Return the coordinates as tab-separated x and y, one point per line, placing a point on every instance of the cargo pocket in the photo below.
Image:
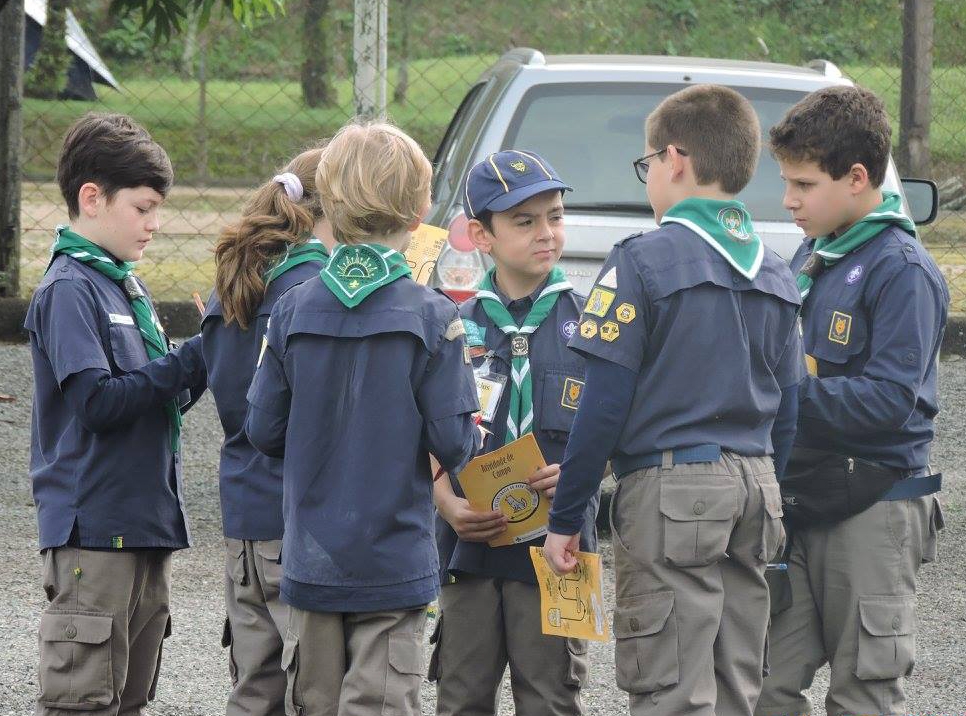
698	520
887	637
436	641
404	673
772	531
936	524
227	642
290	665
157	669
235	562
75	660
578	671
646	652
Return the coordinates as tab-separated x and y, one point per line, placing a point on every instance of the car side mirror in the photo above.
922	198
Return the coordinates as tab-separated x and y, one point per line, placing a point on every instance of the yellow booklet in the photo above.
424	249
571	605
498	481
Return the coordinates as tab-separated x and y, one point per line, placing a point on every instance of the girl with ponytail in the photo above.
275	245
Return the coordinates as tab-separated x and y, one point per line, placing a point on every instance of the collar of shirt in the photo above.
520	307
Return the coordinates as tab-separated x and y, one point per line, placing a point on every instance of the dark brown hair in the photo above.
836	127
717	127
270	223
114	152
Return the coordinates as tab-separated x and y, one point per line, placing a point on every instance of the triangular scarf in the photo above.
828	250
155	341
726	227
312	250
520	419
354	271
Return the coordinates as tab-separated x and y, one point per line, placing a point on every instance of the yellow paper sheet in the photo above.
498	481
572	605
424	249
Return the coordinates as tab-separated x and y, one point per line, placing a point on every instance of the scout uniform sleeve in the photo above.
791	366
613	325
269	396
66	329
447	396
906	326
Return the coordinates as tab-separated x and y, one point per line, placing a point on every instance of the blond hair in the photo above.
717	127
373	181
270	223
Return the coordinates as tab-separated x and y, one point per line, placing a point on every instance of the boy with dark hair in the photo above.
692	351
874	310
517	329
105	444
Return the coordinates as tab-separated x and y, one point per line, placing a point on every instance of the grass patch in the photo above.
249	128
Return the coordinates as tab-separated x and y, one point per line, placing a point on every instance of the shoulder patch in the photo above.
454	330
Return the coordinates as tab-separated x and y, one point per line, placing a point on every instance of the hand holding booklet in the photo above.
499	480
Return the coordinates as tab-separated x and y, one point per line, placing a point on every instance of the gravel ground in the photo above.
194	678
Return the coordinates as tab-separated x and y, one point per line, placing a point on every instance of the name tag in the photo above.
121	319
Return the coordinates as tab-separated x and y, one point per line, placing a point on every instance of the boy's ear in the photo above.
677	162
858	178
479	236
419	220
88	199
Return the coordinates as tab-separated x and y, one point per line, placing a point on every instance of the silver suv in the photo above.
585	114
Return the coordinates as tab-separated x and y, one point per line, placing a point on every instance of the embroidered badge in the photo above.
609	279
609	332
571	393
626	313
454	330
475	334
854	275
117	542
599	301
519	166
733	222
588	329
567	329
357	267
841	327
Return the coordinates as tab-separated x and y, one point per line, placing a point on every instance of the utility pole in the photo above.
11	132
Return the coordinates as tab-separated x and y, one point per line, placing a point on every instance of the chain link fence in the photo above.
231	105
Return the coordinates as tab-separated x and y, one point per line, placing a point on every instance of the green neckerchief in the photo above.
832	249
726	226
356	270
155	341
520	418
312	250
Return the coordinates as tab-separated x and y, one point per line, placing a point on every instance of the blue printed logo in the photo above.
854	275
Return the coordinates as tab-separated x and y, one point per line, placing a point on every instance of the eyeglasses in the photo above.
641	165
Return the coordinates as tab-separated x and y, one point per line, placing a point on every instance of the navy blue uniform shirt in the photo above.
712	349
115	484
250	483
355	399
874	323
558	379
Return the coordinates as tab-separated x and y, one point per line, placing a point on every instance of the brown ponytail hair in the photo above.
270	222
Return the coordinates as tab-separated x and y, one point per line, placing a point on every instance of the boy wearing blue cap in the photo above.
692	346
517	329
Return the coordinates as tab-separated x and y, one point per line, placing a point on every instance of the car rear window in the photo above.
591	132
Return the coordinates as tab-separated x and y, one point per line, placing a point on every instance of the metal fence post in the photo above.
11	129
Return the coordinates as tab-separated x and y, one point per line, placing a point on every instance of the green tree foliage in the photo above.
169	16
47	75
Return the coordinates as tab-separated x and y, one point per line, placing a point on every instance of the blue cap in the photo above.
508	178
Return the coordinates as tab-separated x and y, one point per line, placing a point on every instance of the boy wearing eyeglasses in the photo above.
693	358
